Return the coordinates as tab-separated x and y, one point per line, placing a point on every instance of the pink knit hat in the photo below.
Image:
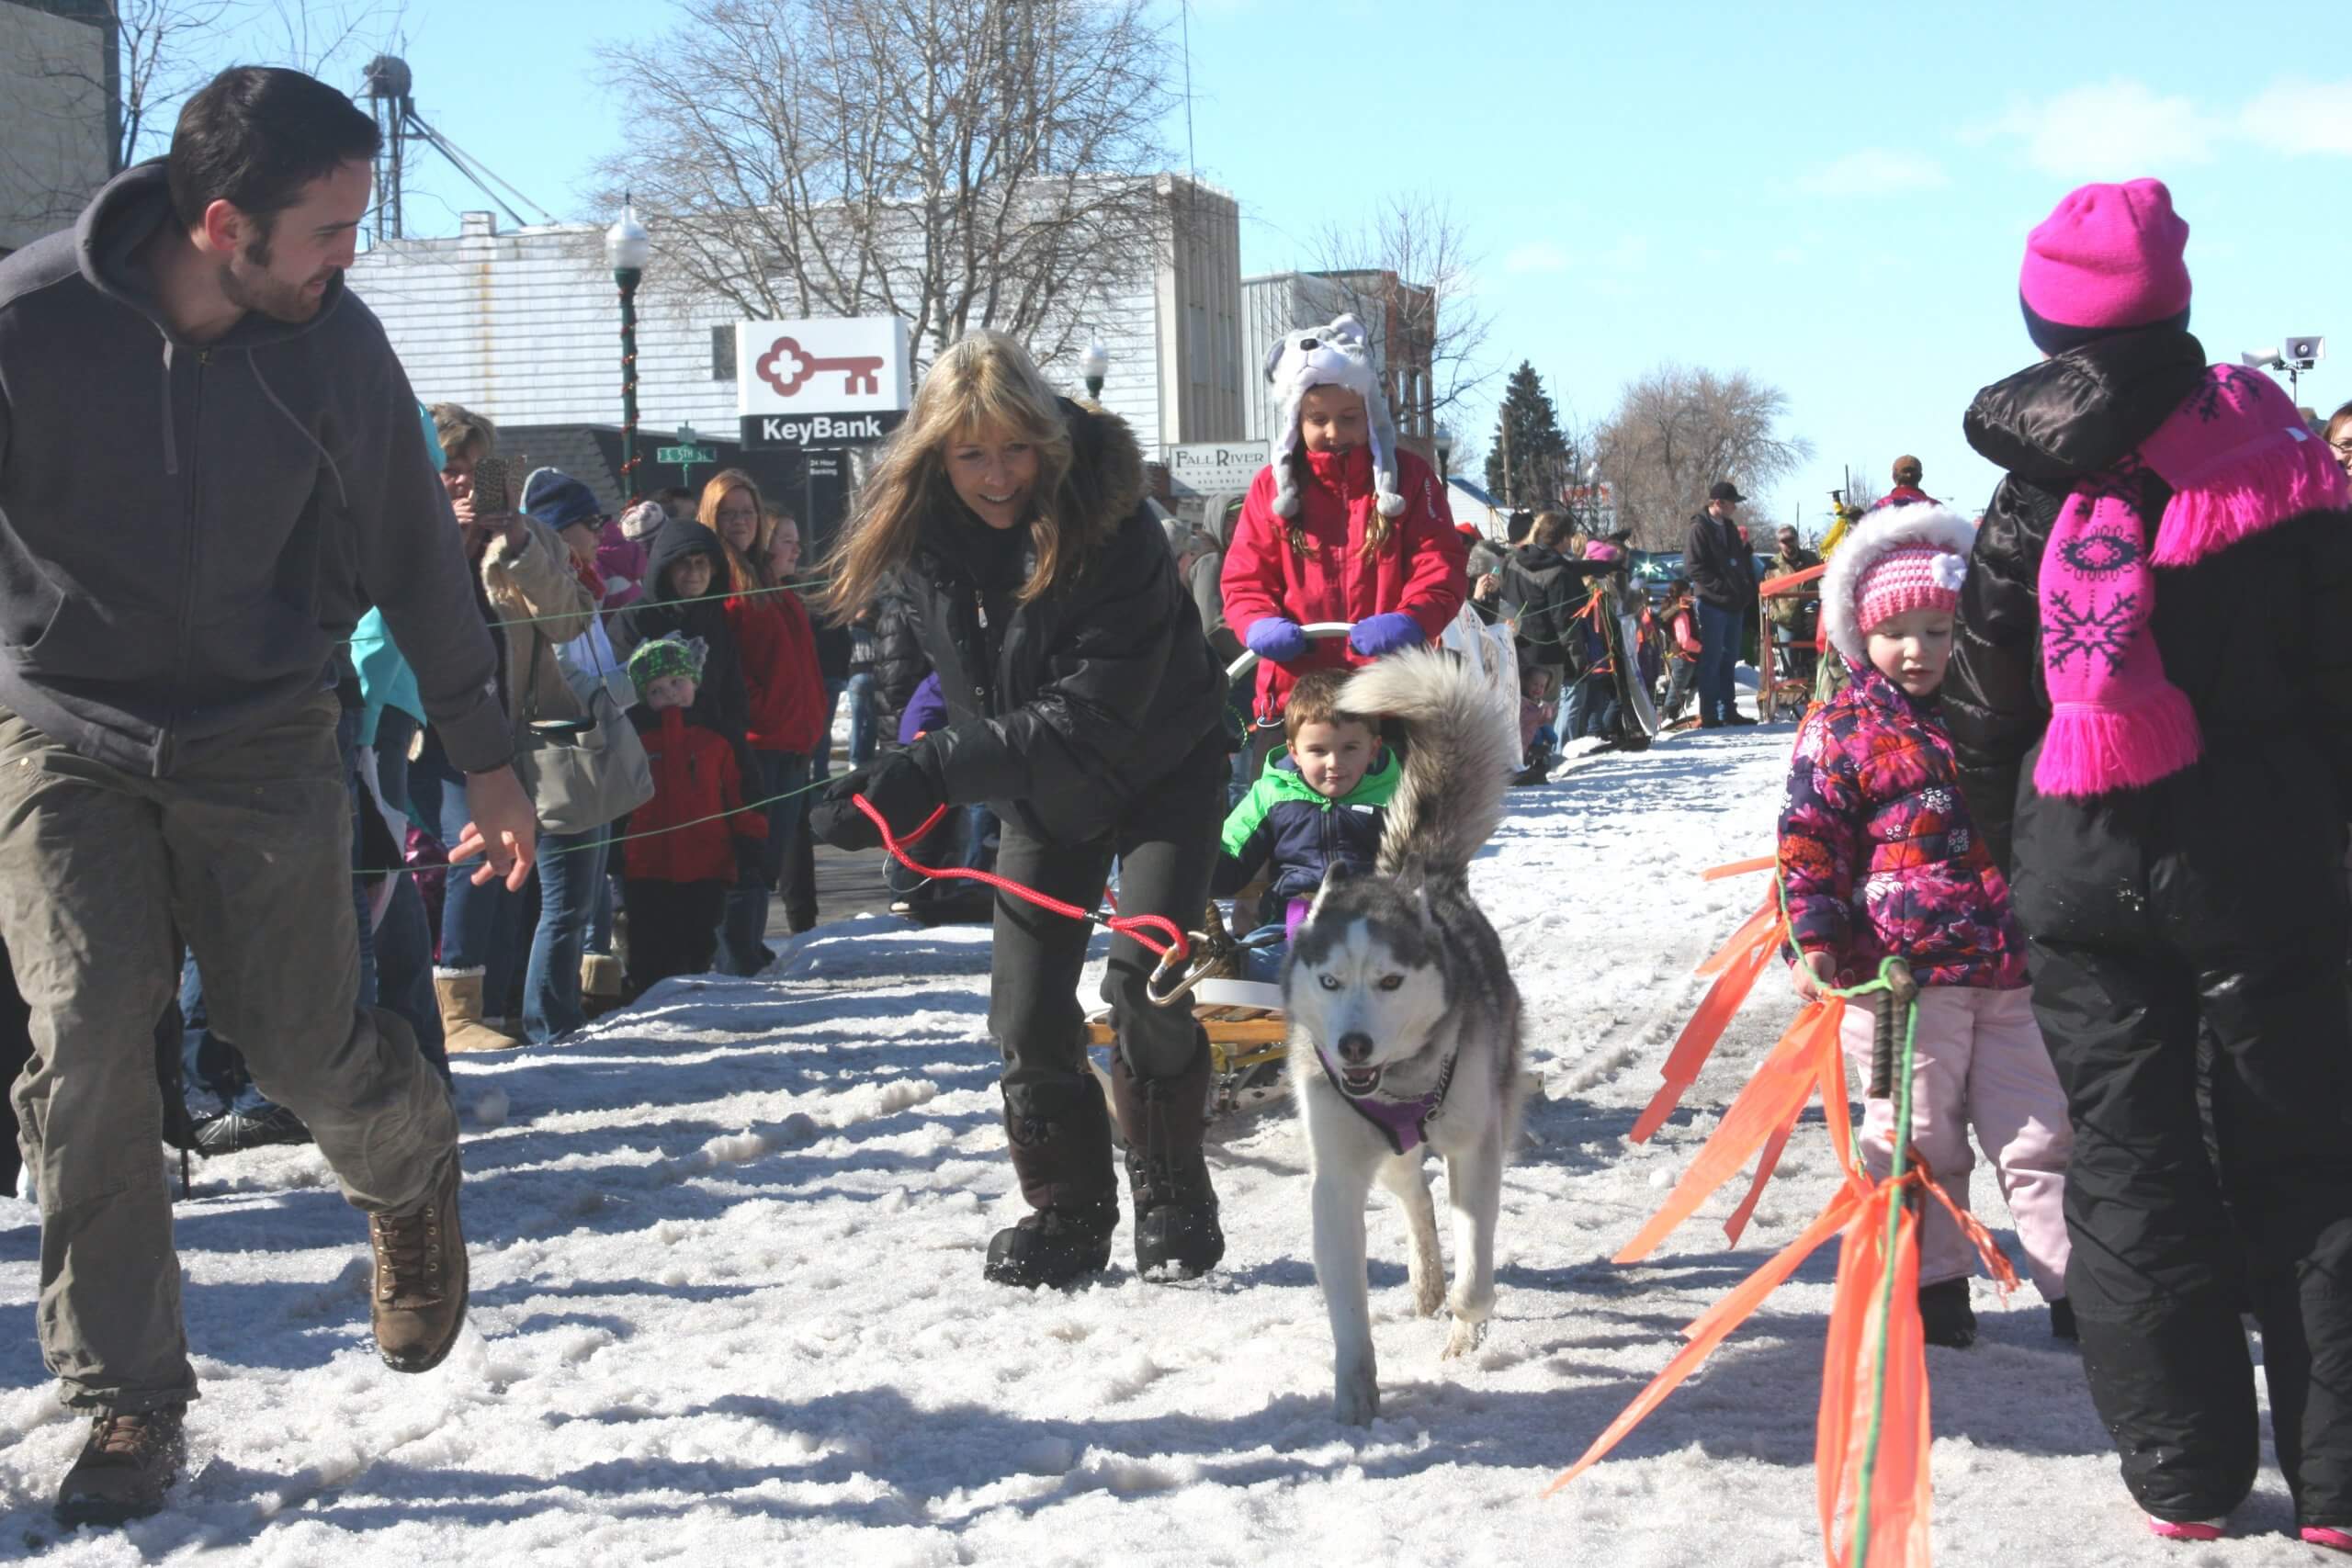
1601	550
2107	259
1906	579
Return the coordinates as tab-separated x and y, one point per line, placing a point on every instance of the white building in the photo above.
524	326
57	117
1276	304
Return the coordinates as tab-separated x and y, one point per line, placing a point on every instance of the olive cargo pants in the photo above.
243	852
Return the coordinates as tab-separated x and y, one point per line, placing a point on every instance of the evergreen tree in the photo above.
1527	427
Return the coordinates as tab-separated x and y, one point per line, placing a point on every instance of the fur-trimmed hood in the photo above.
1877	535
1107	480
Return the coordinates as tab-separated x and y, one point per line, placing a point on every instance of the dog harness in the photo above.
1405	1122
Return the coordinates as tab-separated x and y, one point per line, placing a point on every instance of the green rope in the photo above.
723	594
1901	1089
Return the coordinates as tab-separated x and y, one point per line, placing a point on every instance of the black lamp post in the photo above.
1093	365
627	247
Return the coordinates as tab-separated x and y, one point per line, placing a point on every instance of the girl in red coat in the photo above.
695	837
1340	527
786	718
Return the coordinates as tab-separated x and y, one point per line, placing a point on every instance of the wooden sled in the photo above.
1244	1022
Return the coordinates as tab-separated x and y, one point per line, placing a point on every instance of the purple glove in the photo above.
1377	635
1277	639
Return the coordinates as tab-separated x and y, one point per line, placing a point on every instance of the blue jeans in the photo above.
478	924
572	878
1718	651
862	699
1262	952
745	921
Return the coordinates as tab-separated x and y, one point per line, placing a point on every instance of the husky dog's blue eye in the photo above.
1330	982
1390	982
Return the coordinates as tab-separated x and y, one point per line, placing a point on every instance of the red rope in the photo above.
1126	925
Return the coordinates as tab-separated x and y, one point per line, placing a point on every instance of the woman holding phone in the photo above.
532	601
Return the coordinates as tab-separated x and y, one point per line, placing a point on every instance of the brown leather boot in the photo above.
418	1300
128	1463
460	994
1163	1122
1064	1162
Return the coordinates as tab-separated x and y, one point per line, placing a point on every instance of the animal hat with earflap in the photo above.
1337	355
1895	559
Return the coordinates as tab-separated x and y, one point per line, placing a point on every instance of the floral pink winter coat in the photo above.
1877	854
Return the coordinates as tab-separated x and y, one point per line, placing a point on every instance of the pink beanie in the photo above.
1601	550
2109	258
1905	579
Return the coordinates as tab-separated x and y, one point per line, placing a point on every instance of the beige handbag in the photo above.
582	773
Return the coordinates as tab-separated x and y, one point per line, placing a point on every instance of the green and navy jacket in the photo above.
1283	821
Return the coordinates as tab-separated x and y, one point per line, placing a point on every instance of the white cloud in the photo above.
2295	116
1536	256
2109	130
1874	170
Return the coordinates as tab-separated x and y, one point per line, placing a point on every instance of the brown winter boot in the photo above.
1163	1122
1064	1162
418	1298
128	1463
599	984
462	1029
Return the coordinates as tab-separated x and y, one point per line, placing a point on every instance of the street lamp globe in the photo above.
1095	365
627	247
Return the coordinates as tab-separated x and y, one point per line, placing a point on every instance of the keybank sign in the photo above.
843	382
819	429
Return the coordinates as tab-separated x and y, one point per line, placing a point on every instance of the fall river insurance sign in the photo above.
832	383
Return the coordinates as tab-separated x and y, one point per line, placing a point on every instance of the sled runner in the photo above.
1637	722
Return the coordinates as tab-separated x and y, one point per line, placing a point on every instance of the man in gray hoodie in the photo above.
205	444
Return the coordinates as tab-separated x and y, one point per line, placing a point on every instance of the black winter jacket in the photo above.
1547	591
721	701
2259	636
1065	708
900	661
1717	561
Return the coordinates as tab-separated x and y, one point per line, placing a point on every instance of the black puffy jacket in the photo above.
1065	708
900	661
2259	636
1545	591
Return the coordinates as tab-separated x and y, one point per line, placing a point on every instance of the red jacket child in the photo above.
1297	554
695	827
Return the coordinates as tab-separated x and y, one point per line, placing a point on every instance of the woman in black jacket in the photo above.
1086	710
2204	894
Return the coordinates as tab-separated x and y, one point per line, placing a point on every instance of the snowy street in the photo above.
727	1303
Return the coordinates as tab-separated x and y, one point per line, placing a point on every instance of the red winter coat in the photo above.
1423	571
686	837
779	654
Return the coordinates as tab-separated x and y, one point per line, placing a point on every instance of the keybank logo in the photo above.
817	430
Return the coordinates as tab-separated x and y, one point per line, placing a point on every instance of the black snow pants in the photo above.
1167	846
2211	904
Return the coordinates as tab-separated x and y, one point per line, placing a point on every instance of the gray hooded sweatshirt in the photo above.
181	524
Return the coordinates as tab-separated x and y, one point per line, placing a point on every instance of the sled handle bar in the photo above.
1321	631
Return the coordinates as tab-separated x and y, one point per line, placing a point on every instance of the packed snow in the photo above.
727	1303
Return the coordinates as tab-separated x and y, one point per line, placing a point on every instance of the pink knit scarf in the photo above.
2238	459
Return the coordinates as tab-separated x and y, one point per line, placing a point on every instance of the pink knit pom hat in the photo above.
2109	259
1903	581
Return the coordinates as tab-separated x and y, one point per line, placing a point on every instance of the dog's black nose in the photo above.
1355	1047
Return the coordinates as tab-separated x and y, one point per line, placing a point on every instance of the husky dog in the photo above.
1403	1022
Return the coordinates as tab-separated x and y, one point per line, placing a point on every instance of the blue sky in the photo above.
1831	196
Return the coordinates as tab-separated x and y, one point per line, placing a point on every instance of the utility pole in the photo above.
1507	499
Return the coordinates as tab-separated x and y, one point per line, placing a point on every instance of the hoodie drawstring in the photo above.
342	493
171	436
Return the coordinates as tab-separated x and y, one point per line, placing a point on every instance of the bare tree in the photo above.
1677	430
1861	489
961	163
1407	274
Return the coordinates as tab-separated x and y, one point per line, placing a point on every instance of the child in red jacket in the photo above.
1340	527
695	838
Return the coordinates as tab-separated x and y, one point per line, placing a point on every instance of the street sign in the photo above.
1214	467
682	456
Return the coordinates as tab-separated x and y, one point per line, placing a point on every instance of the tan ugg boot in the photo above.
600	983
462	1030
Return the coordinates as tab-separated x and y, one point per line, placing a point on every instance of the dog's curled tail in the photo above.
1462	744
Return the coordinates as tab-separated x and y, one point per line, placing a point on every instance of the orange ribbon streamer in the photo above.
1899	1492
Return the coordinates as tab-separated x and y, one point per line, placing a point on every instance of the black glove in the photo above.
903	787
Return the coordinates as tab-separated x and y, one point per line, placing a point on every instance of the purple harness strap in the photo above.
1404	1122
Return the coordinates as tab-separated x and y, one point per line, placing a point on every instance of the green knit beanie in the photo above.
665	656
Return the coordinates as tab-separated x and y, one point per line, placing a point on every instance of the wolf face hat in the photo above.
1337	355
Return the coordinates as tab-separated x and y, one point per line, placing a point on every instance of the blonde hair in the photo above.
984	384
744	572
461	428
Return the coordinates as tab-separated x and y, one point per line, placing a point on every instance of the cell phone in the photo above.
490	488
